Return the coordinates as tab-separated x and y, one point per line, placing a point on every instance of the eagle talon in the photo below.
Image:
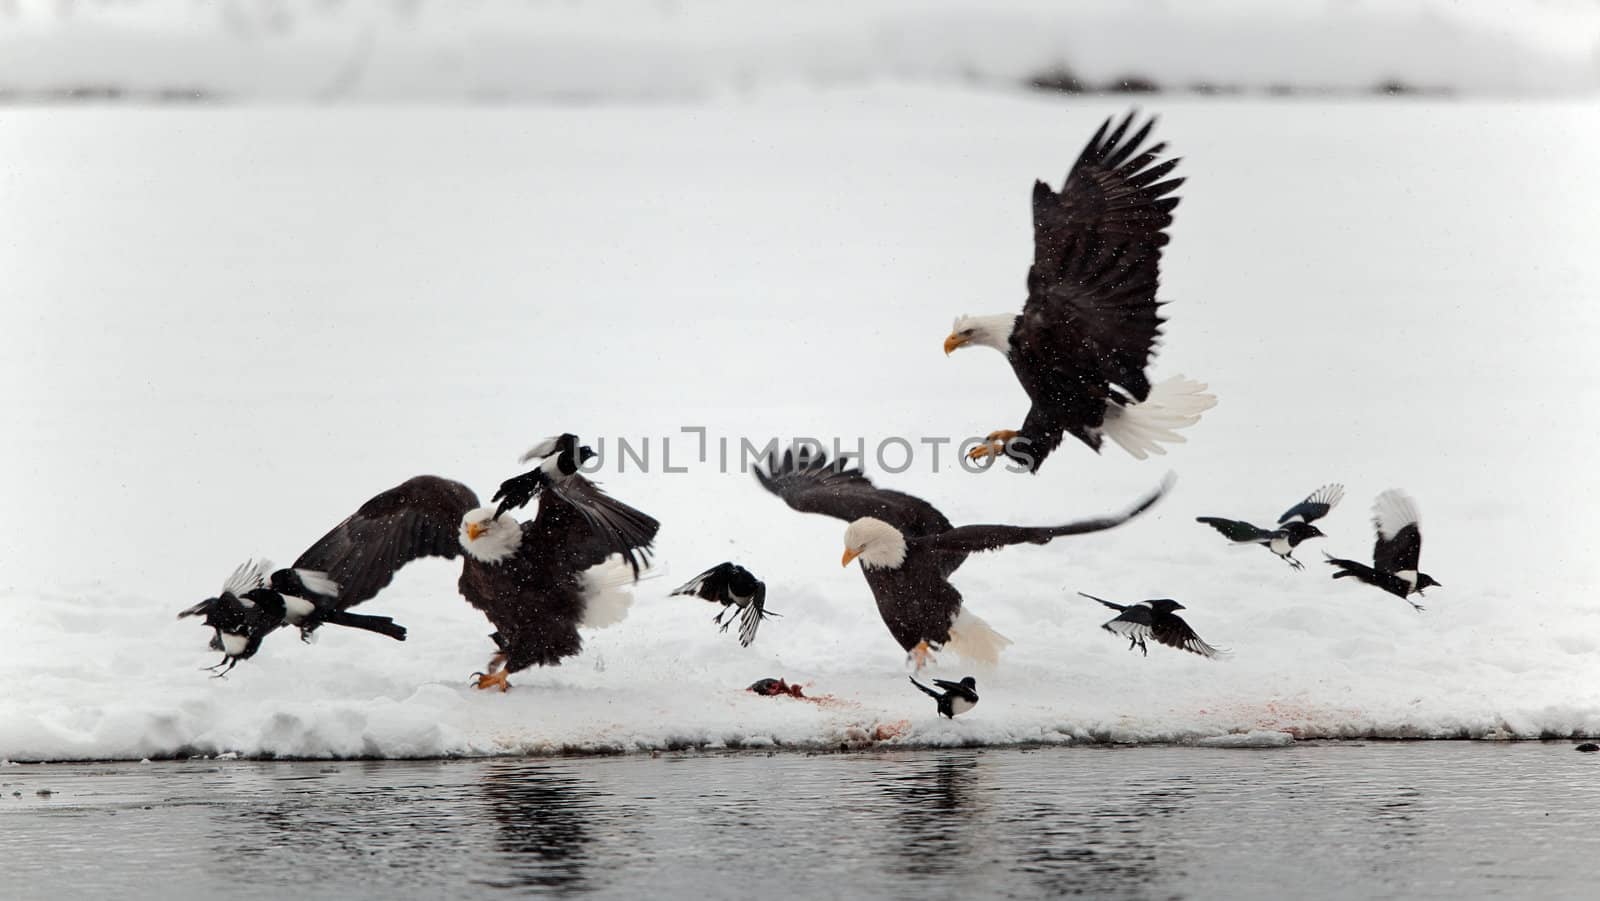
486	681
920	656
994	444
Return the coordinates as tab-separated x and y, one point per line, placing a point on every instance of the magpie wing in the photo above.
1173	632
1315	506
1399	544
709	585
1235	530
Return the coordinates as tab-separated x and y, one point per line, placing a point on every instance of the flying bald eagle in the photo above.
908	550
537	582
1091	321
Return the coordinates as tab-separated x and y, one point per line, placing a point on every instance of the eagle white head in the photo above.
988	331
877	543
488	538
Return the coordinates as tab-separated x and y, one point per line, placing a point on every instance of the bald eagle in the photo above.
537	582
1091	321
908	550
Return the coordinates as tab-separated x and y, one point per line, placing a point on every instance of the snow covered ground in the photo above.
600	50
224	330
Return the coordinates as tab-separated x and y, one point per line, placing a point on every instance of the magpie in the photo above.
559	458
956	698
243	614
1155	619
1396	552
1294	526
738	591
256	600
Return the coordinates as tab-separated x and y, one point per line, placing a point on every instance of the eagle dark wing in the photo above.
1172	631
970	539
807	481
1399	544
1091	320
1315	506
580	525
420	517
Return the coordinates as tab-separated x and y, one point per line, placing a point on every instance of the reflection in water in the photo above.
539	819
308	827
1117	847
934	813
1442	820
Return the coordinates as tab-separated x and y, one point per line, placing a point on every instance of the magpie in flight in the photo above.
1396	553
956	698
1155	619
739	592
1294	526
559	458
256	600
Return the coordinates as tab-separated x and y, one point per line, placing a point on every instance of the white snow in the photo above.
224	330
598	51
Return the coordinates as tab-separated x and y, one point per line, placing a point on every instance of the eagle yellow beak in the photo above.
848	556
951	343
474	530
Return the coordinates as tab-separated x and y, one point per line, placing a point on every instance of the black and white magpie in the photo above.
240	616
956	697
1395	554
559	456
255	600
1155	619
739	592
1294	526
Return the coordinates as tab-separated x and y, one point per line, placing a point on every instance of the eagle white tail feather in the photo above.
975	640
1171	405
607	593
318	582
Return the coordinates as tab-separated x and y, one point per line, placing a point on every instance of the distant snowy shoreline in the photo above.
1253	740
632	51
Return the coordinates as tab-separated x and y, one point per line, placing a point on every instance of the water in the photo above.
1329	820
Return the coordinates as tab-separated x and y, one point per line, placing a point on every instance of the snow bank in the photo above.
226	329
632	49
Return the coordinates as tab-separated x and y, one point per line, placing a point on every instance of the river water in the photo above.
1440	819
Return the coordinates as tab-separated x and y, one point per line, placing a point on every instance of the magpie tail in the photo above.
925	689
1350	568
1113	605
382	625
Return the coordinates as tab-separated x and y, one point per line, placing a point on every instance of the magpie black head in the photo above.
585	454
969	682
1165	605
1300	531
1426	581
